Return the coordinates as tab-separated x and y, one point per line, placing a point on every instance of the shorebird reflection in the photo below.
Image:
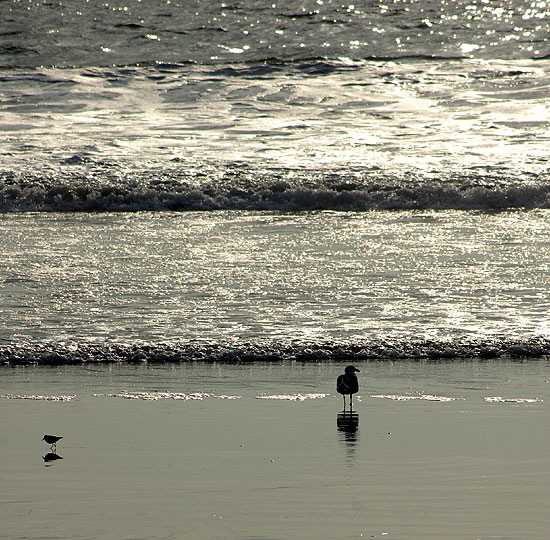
51	456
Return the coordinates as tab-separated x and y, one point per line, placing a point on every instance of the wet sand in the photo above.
450	450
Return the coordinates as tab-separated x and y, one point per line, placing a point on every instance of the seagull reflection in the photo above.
348	424
347	421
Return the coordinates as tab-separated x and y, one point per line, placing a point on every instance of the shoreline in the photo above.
56	354
145	452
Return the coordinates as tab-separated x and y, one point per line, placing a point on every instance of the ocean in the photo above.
209	209
260	179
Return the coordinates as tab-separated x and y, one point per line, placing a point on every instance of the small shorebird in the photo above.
51	439
347	384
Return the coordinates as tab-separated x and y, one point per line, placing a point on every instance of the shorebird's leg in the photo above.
350	402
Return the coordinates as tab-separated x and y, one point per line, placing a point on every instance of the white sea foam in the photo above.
499	399
291	397
288	137
38	397
410	397
154	396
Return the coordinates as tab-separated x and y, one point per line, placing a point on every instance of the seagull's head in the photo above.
350	370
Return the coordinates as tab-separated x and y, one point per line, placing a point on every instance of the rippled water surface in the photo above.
76	32
248	276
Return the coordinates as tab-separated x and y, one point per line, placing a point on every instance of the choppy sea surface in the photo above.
252	180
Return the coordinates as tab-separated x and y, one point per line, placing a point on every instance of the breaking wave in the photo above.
381	350
270	191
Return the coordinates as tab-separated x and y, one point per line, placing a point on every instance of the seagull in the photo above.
51	439
347	384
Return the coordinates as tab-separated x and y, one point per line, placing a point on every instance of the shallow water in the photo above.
234	277
277	468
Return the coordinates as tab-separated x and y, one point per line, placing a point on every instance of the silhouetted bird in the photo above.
347	384
51	439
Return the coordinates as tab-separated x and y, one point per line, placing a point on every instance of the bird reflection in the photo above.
347	421
51	456
348	424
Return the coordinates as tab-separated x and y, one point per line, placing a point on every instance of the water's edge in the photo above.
54	354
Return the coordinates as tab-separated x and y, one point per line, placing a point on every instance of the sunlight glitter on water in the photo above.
415	117
223	276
